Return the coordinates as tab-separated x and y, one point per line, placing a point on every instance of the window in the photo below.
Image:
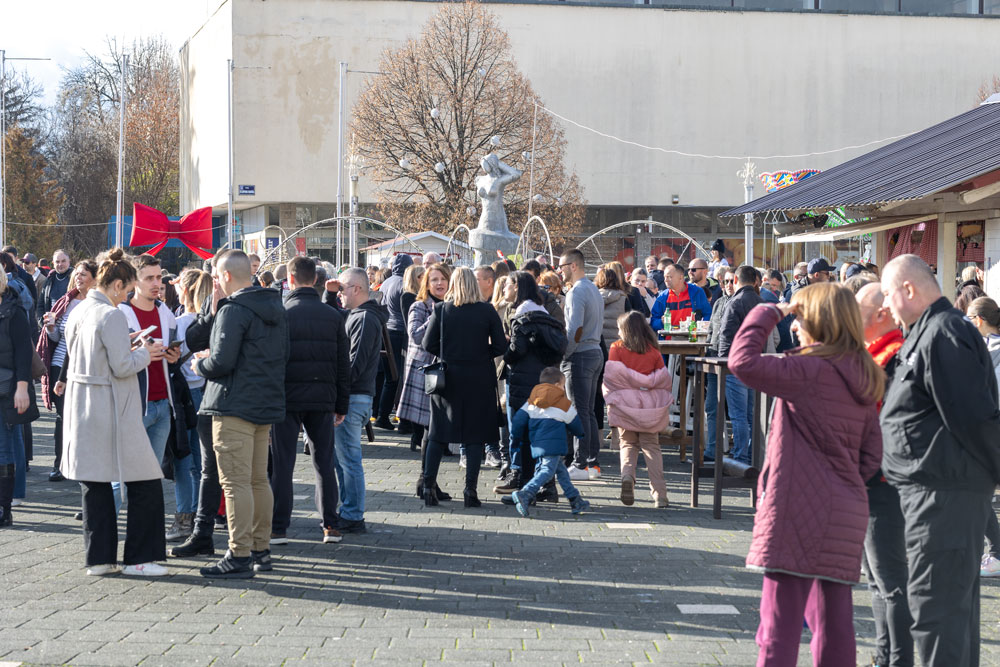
939	6
859	5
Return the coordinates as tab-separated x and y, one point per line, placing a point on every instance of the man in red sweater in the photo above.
885	546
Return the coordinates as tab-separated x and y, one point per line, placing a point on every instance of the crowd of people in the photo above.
881	454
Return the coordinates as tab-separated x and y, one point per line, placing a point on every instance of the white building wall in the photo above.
711	82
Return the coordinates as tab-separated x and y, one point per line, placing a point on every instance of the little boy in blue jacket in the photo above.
543	421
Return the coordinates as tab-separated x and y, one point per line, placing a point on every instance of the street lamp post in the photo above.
3	141
748	173
230	239
120	194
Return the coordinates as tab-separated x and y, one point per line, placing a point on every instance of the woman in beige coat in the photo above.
103	437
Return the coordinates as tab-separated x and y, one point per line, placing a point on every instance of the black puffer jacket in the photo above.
537	340
738	307
249	349
318	372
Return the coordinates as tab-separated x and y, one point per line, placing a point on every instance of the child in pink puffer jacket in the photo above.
637	393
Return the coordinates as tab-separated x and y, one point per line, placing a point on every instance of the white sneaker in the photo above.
578	474
593	472
145	570
102	570
17	502
989	567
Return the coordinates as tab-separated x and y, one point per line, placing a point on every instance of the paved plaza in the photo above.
617	585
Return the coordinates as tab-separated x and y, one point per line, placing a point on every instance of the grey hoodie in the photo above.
392	291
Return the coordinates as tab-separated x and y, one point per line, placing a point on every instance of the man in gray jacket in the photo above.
583	360
245	395
711	379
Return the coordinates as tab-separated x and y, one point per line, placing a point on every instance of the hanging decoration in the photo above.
776	180
153	227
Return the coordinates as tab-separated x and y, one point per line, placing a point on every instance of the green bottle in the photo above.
693	331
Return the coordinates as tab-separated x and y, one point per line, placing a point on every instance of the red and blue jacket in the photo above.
691	300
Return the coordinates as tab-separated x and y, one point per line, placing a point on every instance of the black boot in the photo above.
195	545
420	486
548	493
441	495
6	495
472	498
430	498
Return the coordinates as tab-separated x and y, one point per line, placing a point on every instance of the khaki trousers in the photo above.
241	452
649	443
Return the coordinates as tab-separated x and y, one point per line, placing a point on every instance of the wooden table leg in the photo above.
720	445
698	444
682	406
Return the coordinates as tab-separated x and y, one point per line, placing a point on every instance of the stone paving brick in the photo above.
423	586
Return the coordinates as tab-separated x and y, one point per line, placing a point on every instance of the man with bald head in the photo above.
885	541
244	395
941	429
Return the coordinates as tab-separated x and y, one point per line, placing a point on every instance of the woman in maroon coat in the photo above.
823	444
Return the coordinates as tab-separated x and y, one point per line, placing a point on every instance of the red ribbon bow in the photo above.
152	227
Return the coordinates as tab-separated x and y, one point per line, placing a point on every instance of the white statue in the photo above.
492	233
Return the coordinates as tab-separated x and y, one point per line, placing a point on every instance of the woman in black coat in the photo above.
466	334
537	340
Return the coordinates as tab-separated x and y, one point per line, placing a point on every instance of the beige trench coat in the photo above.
103	436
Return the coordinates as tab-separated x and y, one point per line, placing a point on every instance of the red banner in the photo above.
152	227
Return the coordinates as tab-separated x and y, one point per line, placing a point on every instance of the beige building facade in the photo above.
726	83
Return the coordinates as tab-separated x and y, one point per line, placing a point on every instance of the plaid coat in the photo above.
414	404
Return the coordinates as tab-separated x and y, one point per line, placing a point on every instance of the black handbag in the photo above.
434	373
10	414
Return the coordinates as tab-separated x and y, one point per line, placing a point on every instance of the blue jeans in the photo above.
156	421
739	401
547	468
347	458
582	371
187	471
12	451
711	408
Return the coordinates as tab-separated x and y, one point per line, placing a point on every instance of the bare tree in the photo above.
425	122
85	138
988	89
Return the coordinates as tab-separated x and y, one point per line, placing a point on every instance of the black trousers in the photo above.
944	544
993	534
387	399
57	401
473	459
885	568
209	491
145	540
284	438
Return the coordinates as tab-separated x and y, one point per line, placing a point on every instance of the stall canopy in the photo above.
951	169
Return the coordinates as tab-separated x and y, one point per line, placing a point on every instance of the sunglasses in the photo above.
727	282
697	268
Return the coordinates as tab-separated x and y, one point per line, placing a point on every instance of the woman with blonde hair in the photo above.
414	403
824	443
466	334
411	286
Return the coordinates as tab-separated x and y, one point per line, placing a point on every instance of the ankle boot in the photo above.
472	498
430	498
6	495
420	486
441	495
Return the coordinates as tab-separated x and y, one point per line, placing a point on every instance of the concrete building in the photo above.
719	81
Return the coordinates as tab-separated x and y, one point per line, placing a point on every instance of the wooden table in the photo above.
761	411
678	344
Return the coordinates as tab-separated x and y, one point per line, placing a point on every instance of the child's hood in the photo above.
549	401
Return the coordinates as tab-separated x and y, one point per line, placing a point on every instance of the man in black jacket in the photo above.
364	329
940	429
392	293
317	378
56	284
198	336
739	397
245	394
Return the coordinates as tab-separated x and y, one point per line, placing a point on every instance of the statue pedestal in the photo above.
486	242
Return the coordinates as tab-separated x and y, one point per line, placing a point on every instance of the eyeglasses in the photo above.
562	266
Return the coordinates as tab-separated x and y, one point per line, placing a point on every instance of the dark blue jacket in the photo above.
545	425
